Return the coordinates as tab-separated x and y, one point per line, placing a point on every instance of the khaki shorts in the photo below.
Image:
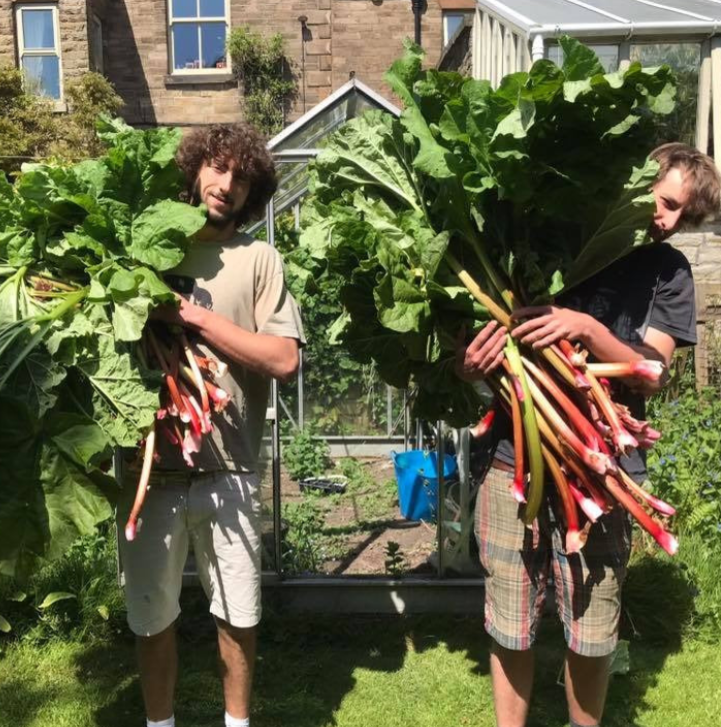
219	515
519	559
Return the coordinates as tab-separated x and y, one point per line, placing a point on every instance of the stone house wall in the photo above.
342	37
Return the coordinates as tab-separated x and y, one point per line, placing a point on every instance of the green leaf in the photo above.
401	306
160	233
5	626
52	501
104	612
52	598
579	61
623	228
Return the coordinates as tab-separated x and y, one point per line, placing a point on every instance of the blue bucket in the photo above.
417	477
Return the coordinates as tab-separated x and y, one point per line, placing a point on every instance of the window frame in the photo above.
40	53
445	15
198	19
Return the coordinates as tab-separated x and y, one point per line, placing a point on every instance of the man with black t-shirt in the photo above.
641	307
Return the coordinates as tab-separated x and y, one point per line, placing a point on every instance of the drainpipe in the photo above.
305	35
418	8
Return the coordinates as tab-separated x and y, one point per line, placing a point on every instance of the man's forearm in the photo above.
606	347
268	355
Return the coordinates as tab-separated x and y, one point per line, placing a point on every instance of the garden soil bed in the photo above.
359	524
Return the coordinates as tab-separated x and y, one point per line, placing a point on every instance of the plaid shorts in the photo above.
518	560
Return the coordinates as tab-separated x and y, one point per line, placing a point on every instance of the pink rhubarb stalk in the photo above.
659	505
575	539
217	369
170	377
589	506
193	408
141	492
645	369
485	424
205	403
574	355
519	478
667	541
623	440
218	396
582	425
597	461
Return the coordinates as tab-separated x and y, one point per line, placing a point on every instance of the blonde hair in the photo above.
702	178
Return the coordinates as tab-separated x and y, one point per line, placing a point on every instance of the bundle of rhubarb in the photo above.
191	390
82	250
475	202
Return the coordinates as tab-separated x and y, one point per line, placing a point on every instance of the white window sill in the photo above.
185	79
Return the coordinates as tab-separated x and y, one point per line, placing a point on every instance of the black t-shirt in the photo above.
651	287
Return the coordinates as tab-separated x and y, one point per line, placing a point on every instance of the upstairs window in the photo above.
198	35
39	48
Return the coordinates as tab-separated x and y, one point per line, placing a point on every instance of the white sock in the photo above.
170	722
235	722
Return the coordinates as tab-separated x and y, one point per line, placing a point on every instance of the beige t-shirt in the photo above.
242	280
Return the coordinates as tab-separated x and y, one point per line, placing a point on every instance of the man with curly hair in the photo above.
234	303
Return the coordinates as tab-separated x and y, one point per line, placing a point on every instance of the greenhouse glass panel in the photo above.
607	54
685	59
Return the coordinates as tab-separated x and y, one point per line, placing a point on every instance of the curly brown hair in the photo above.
240	143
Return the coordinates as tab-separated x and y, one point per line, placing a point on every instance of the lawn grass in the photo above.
344	671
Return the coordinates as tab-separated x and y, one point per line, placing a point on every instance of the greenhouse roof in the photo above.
296	144
625	18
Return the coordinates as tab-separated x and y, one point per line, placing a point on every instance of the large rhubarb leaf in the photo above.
51	494
82	249
532	186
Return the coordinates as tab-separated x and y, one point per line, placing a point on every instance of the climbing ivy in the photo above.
263	70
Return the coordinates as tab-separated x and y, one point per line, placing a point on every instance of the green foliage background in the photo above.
31	130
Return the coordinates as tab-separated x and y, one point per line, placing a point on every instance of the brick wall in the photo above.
368	36
364	36
703	250
8	48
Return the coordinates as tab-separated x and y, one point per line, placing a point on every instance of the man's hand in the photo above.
549	324
483	355
187	314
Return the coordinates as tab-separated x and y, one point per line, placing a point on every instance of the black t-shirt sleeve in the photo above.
674	305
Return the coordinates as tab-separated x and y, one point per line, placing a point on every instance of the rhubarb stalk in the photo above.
667	541
141	492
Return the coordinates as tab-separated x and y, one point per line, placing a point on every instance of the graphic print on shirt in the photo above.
188	287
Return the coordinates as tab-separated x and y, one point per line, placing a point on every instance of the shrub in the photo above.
30	129
262	68
306	455
75	597
684	469
302	551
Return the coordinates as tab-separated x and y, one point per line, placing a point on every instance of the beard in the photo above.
218	220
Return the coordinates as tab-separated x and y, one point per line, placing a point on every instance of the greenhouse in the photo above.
362	422
509	36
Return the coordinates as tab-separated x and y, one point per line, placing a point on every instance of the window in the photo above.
451	24
198	33
39	48
607	54
685	59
